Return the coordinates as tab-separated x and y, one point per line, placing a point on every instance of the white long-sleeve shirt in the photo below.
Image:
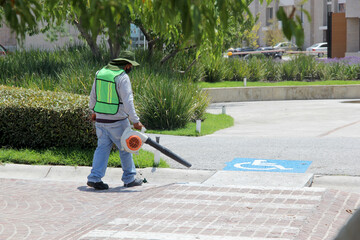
127	108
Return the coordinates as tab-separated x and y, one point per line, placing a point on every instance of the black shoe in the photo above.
136	182
98	185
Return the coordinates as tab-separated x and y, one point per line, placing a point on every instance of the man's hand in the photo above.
138	125
93	117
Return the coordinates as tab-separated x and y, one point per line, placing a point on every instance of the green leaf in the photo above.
286	23
307	14
196	15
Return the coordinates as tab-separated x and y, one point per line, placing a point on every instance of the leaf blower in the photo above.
132	141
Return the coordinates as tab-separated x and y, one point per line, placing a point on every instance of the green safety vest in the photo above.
107	98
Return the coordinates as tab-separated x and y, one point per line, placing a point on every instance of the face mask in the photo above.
128	70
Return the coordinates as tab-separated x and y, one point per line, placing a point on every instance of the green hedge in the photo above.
42	119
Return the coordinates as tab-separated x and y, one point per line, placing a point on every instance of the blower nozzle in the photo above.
132	141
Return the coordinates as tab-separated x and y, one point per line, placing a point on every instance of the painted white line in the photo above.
233	219
99	234
165	236
250	195
236	204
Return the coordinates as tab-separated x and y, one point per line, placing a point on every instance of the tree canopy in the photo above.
182	23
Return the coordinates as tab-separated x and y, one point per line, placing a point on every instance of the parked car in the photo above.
237	50
245	49
275	55
3	50
287	46
318	48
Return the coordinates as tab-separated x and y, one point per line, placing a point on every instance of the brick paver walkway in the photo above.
38	209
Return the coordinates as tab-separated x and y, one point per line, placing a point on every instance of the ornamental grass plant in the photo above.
298	68
167	103
70	69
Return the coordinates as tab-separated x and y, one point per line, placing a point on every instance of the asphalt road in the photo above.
326	132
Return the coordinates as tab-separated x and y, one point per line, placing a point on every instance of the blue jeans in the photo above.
107	134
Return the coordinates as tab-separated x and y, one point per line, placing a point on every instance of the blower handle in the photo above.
167	152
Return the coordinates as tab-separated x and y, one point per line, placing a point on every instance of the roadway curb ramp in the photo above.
260	179
239	94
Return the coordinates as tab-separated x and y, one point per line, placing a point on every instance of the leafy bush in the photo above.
239	69
351	72
215	69
42	119
169	103
255	55
288	71
256	70
324	71
306	67
272	70
336	71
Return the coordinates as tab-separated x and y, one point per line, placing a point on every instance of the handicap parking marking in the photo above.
267	165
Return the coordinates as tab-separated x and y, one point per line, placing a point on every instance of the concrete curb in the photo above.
161	176
239	94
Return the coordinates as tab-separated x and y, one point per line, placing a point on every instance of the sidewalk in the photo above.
175	204
53	202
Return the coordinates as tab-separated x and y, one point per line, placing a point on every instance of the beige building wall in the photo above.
319	21
315	31
40	41
352	9
352	16
7	38
260	9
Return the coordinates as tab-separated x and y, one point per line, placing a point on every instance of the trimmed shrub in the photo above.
43	119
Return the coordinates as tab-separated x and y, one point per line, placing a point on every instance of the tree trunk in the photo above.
90	41
114	48
173	53
151	41
192	64
118	39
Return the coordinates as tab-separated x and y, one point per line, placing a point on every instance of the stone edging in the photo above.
239	94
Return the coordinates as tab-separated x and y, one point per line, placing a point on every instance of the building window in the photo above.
342	7
269	16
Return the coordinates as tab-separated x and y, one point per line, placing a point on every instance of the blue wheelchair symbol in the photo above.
267	165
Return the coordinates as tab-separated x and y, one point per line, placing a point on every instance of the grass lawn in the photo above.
71	157
211	124
83	157
265	84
